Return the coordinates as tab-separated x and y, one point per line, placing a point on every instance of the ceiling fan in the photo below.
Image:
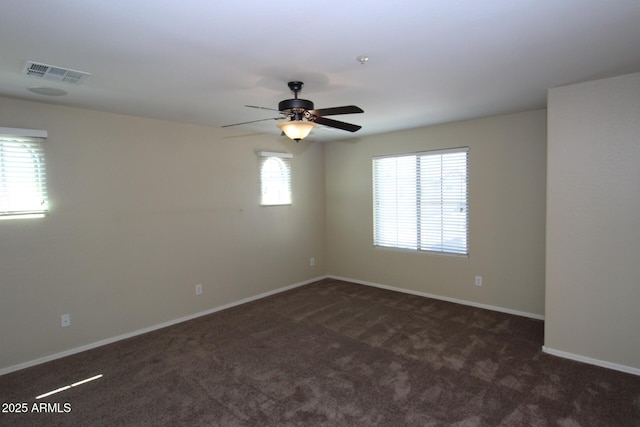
300	116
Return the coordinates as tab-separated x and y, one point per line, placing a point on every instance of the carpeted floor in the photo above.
331	353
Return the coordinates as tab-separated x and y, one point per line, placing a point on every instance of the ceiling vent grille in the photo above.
50	72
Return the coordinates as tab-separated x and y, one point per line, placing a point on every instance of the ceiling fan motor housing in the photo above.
295	105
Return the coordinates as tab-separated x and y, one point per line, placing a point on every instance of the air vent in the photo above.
50	72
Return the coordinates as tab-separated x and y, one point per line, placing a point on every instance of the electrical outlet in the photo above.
478	280
65	320
199	289
312	262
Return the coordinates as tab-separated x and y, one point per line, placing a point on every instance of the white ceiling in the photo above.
430	61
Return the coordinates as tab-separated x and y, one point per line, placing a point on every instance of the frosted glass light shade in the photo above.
296	129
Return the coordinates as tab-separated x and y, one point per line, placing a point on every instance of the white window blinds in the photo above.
23	187
421	201
275	178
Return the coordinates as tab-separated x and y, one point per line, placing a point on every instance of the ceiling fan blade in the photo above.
337	124
252	121
261	108
347	109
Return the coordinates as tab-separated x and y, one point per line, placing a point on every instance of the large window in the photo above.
23	189
275	178
421	201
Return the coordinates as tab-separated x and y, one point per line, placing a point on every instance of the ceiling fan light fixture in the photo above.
296	129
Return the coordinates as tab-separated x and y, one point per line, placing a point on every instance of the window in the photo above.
23	189
420	201
275	178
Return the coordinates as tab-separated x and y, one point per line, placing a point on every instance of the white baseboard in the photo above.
442	298
111	340
576	357
559	353
591	361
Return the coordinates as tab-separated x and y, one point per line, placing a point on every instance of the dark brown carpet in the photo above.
336	354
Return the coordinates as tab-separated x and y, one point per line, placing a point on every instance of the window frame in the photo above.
402	197
23	171
275	190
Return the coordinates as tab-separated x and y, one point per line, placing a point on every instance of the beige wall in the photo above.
141	211
593	221
507	167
